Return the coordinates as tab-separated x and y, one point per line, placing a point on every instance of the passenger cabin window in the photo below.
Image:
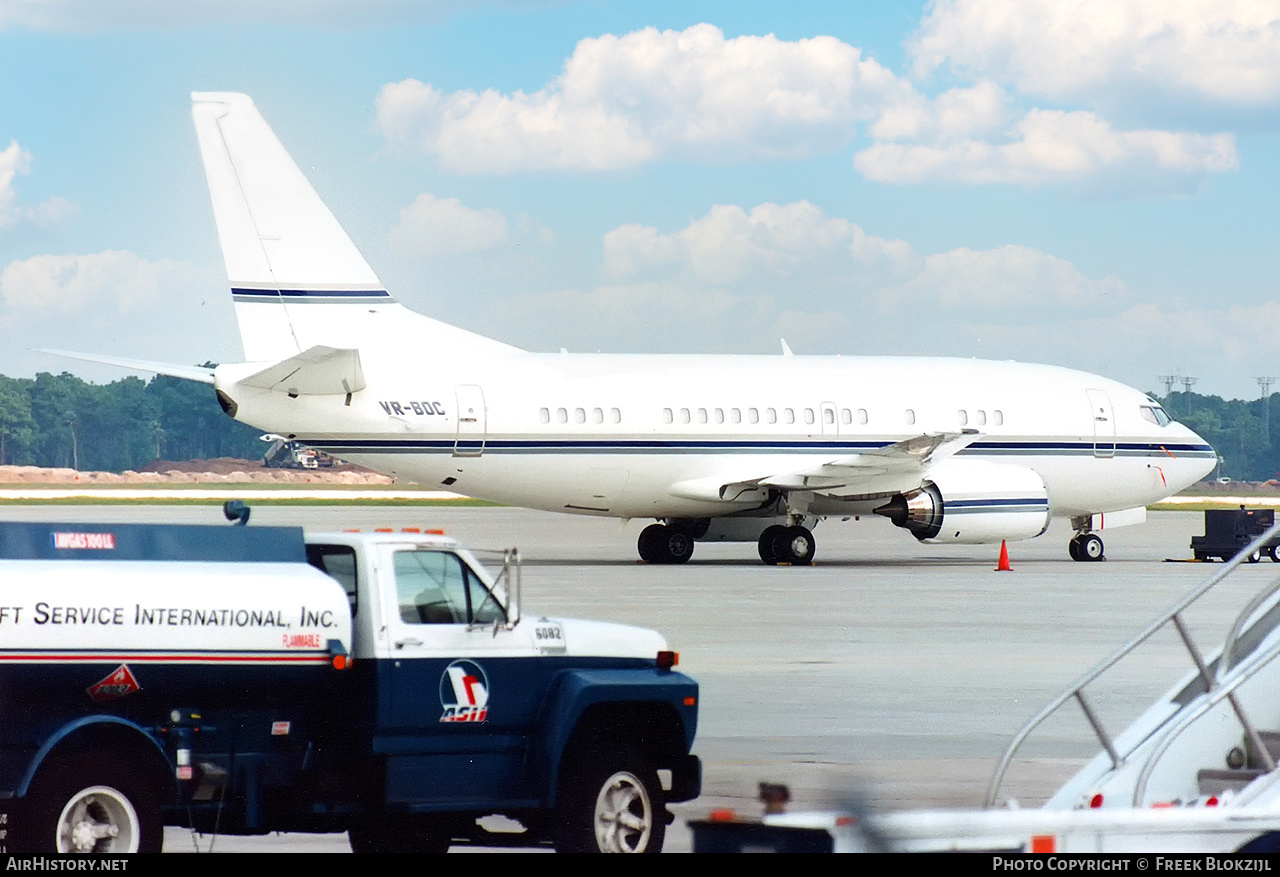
735	415
1155	414
982	417
753	415
997	417
684	415
963	417
597	415
719	414
808	415
862	416
911	417
562	415
579	415
846	416
788	415
436	587
771	415
667	416
338	562
829	416
544	414
615	415
702	415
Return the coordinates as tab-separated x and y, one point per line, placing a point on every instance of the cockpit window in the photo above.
1156	415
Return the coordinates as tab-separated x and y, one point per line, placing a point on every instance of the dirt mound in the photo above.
228	465
223	470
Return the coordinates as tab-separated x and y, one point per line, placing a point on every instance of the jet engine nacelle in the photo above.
972	501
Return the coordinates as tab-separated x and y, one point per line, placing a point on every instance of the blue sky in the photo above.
1089	184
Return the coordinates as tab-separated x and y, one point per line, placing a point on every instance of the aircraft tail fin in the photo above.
297	279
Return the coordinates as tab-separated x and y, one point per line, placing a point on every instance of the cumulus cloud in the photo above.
959	113
650	95
1045	147
75	285
739	278
625	100
731	243
432	226
1009	276
1227	50
774	248
14	160
735	279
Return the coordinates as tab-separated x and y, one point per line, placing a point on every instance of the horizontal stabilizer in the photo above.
186	372
316	371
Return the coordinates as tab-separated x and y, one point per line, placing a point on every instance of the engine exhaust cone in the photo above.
895	510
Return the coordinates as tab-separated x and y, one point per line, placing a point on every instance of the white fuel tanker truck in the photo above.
248	680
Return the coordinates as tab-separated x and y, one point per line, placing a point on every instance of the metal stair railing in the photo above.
1226	691
1172	615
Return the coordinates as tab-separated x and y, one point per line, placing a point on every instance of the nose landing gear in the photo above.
1086	547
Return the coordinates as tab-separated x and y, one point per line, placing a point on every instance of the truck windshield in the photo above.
436	587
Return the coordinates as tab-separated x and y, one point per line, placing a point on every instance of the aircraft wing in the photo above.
316	371
891	469
894	468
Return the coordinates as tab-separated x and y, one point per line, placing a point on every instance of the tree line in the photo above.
1246	434
63	421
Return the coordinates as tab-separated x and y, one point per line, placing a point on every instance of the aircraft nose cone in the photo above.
1203	459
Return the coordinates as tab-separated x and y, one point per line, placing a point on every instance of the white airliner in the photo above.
715	448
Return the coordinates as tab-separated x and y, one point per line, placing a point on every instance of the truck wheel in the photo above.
611	802
84	804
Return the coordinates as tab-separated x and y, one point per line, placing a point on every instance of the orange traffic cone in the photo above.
1003	565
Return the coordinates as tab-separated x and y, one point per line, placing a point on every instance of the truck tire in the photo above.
90	804
610	802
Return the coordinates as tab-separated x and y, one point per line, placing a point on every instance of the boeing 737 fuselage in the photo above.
716	448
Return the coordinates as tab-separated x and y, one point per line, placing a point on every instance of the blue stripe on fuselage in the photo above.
678	446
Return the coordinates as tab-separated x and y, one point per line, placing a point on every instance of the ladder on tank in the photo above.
1209	740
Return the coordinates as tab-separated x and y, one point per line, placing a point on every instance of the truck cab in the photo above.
397	694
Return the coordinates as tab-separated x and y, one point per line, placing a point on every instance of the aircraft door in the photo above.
471	421
1104	424
830	420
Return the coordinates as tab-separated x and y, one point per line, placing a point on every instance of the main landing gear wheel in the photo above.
766	543
659	543
1086	547
793	545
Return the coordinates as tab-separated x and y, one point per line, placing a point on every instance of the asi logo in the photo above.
464	693
117	685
